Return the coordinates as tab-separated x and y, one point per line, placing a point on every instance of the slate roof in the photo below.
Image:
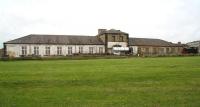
57	39
150	42
84	40
112	31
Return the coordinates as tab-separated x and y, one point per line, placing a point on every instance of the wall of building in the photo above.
1	52
102	37
122	44
15	50
117	38
134	50
195	44
150	50
112	39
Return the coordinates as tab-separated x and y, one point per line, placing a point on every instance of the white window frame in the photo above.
100	50
70	50
80	49
36	50
47	50
24	50
91	50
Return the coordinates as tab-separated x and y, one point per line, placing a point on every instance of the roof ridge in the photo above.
55	35
57	39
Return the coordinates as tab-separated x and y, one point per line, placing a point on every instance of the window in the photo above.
161	50
80	50
173	50
154	51
100	50
69	50
121	38
47	51
36	50
179	49
146	50
113	38
167	50
91	49
24	50
59	50
139	50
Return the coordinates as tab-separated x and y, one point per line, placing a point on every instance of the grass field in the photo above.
134	82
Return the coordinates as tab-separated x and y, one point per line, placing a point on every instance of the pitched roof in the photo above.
198	41
112	31
57	39
150	42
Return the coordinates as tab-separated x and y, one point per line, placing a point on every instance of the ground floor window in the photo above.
59	50
69	50
91	50
173	50
154	50
36	50
80	50
24	50
146	50
161	50
167	50
47	51
139	50
100	50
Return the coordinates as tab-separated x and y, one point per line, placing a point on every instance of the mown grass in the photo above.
134	82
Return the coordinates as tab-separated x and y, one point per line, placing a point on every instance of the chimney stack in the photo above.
101	30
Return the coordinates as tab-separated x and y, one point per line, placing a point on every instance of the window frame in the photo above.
91	50
80	49
59	50
113	38
24	50
47	50
36	50
69	50
100	50
121	38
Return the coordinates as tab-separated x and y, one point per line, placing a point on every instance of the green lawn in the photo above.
134	82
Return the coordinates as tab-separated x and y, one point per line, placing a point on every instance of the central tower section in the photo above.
113	38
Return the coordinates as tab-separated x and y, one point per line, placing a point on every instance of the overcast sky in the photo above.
171	20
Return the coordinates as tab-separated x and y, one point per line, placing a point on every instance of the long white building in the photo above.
103	43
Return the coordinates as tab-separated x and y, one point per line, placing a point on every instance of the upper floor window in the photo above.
113	38
69	50
47	51
24	50
121	38
80	50
91	50
59	50
36	50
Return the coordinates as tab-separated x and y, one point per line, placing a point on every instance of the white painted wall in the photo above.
15	50
111	44
135	49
